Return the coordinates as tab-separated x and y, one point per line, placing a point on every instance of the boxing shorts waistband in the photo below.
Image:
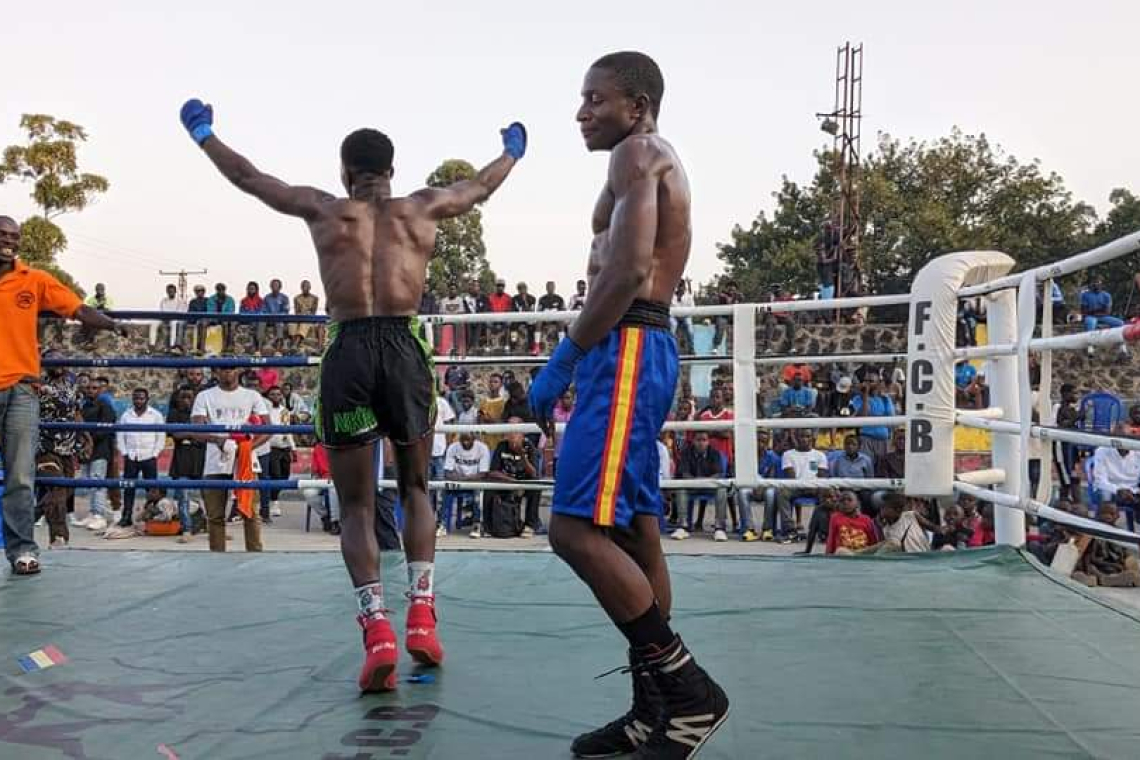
373	323
643	313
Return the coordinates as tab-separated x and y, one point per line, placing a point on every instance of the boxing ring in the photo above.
979	653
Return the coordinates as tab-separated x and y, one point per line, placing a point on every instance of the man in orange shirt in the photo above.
24	292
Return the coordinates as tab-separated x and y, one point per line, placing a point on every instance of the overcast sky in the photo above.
743	79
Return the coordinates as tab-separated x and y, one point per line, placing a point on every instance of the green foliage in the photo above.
460	254
1119	274
49	161
920	200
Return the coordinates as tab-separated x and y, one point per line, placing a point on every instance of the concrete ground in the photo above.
287	533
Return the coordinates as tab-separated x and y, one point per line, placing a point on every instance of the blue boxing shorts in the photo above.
608	466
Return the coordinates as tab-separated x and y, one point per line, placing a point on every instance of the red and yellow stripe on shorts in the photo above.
620	426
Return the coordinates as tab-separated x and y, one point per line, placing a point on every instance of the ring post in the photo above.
744	392
1001	310
930	411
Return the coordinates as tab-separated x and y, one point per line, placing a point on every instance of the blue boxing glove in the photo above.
514	140
553	381
198	119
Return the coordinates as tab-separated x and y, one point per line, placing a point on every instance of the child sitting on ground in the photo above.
1105	563
850	532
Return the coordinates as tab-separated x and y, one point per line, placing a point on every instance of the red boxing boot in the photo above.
380	655
422	643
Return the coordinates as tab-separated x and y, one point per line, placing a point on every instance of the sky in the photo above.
743	81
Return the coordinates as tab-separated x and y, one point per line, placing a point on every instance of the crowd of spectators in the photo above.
768	513
226	397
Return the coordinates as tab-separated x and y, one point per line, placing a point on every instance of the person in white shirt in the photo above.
452	304
298	409
578	300
901	529
683	326
140	450
468	413
227	403
466	459
804	462
1116	473
444	415
276	455
173	303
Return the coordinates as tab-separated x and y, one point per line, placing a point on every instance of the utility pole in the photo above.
844	124
182	275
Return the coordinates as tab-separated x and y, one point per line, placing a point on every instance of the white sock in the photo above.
421	579
370	599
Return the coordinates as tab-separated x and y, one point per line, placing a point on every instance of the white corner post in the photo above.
930	411
744	392
1005	393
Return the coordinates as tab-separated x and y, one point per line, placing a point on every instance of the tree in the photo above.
1119	275
460	254
49	161
920	200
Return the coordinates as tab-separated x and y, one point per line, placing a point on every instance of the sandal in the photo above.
26	564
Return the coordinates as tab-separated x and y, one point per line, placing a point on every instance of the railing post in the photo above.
744	392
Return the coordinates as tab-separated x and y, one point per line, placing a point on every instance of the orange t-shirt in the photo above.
24	293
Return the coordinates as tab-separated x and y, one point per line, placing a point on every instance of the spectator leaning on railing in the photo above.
176	330
253	303
305	303
466	459
1096	311
276	302
221	303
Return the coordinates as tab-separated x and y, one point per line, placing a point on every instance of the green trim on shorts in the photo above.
417	328
330	338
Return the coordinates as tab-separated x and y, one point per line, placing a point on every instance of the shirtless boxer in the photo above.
623	361
376	374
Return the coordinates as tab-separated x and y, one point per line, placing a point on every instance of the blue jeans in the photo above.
435	472
1092	323
181	496
97	469
449	499
265	474
19	434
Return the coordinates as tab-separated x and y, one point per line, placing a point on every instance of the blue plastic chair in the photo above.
1100	412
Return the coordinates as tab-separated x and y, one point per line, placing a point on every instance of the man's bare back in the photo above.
373	255
674	229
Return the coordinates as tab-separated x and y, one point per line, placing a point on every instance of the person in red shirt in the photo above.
499	302
983	526
24	293
721	440
791	370
850	532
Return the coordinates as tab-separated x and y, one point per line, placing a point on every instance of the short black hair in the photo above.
367	151
141	390
636	74
895	500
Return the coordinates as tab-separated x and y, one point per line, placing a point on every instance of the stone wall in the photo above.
1105	370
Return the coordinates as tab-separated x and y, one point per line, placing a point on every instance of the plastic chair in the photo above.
1100	412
